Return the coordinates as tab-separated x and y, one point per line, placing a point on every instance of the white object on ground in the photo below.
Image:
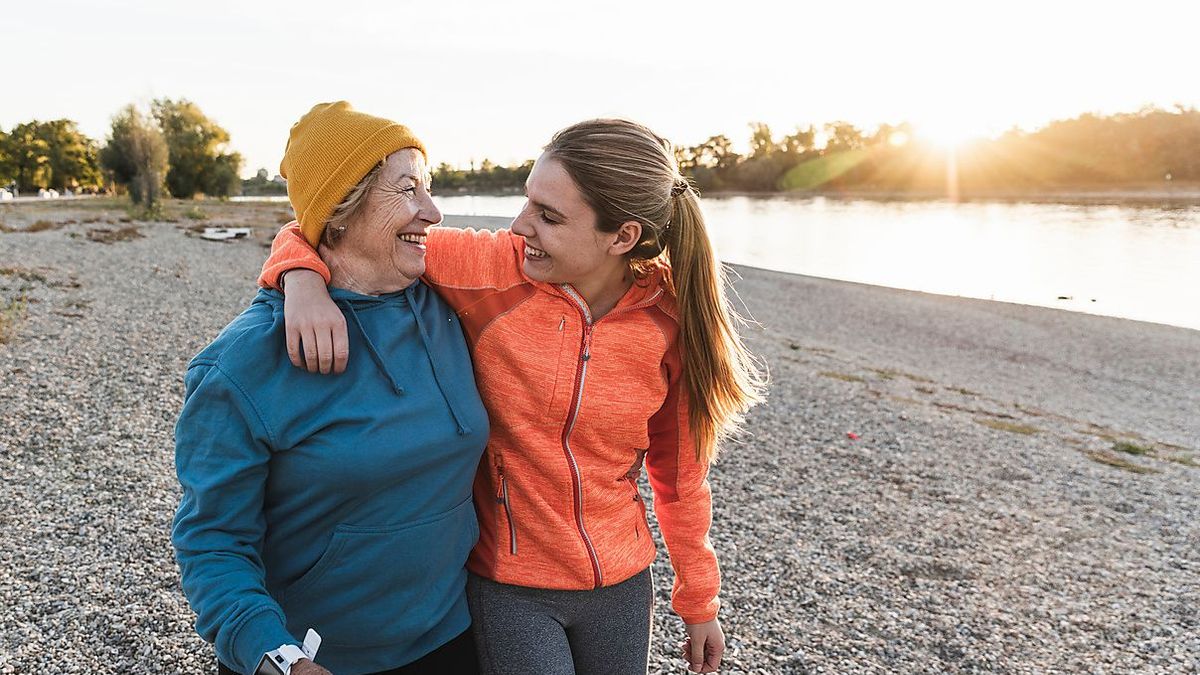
223	233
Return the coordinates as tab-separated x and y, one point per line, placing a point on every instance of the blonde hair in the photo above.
348	209
627	172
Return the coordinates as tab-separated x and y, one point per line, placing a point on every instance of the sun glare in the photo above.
945	134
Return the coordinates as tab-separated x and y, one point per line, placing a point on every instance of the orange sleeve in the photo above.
457	258
289	251
470	258
683	502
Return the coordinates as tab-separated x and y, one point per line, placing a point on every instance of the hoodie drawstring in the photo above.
371	348
463	428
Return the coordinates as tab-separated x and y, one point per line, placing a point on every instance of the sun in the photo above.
946	133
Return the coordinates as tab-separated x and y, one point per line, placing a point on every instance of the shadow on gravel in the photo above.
104	235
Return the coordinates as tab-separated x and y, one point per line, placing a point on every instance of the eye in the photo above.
542	215
400	191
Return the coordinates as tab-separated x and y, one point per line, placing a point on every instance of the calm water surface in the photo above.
1135	262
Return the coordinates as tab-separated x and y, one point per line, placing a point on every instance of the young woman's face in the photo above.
562	244
389	236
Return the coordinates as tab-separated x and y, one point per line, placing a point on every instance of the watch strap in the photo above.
280	660
292	653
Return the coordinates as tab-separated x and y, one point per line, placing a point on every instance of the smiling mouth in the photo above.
531	252
412	238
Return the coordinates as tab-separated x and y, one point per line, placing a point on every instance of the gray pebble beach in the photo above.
1020	497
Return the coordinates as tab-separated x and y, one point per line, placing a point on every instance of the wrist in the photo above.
302	276
280	661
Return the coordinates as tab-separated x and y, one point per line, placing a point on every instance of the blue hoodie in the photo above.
336	503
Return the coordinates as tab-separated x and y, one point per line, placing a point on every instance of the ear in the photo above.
626	237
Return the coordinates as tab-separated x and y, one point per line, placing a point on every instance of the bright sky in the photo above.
496	79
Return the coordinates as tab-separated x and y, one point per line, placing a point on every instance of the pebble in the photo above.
932	543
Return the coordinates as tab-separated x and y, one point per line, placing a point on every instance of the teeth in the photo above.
532	252
412	238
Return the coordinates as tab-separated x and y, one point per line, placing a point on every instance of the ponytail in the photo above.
721	376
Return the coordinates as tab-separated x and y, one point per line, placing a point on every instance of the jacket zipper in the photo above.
585	354
512	527
637	497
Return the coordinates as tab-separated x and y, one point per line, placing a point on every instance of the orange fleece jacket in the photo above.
576	408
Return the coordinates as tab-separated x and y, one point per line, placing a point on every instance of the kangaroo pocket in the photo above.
380	586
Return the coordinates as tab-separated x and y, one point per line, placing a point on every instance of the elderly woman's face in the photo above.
389	236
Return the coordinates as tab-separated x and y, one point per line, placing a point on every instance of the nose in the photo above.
520	225
429	211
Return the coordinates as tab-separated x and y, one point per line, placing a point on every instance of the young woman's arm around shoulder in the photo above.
316	328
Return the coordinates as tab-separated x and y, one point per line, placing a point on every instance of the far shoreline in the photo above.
264	217
1183	195
1176	195
500	222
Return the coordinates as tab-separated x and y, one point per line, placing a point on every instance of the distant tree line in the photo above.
174	146
263	184
488	177
1134	150
1148	148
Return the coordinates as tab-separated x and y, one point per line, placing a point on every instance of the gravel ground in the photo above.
1020	497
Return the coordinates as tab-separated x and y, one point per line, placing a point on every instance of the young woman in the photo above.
602	340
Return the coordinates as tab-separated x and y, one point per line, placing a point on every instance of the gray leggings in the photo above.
520	630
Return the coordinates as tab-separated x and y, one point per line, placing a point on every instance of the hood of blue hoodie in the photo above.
367	473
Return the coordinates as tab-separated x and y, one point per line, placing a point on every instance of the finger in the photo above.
697	655
293	347
325	351
713	655
310	350
341	347
713	658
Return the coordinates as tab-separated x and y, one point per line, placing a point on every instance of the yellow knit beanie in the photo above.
328	152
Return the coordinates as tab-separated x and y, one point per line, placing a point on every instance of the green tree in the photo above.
799	142
27	150
197	147
71	158
885	132
447	178
222	179
843	136
7	168
761	143
717	152
137	156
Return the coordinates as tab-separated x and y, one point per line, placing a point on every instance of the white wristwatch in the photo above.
280	661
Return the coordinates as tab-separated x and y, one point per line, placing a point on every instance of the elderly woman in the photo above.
340	506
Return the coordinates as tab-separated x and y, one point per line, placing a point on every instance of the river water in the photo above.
1136	262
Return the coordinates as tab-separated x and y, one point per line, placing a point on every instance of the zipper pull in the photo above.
587	343
562	322
500	486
